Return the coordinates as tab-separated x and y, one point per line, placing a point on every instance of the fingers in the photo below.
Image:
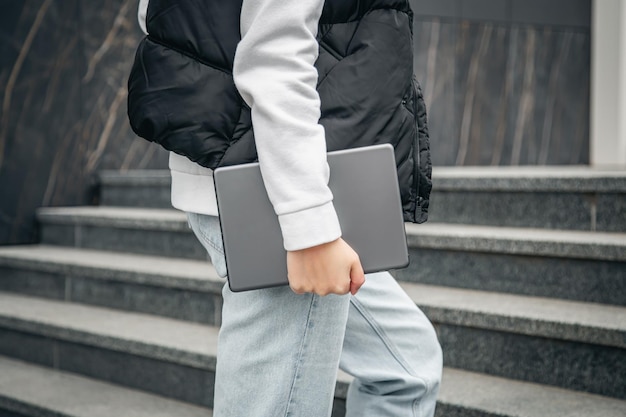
329	268
339	287
357	277
297	290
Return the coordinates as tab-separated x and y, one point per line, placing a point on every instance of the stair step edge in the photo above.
609	246
34	390
152	335
126	267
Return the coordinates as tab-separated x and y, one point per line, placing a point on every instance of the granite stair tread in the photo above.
156	337
609	246
135	177
143	218
548	197
152	270
573	178
581	178
33	390
494	396
534	316
195	345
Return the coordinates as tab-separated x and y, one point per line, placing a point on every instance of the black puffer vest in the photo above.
181	92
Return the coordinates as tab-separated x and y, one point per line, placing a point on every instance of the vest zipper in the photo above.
416	154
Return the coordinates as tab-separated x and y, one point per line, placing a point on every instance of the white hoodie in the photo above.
275	74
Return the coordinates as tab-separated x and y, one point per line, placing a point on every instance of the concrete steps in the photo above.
565	264
163	356
110	278
467	394
578	197
507	329
135	188
27	389
176	359
557	197
144	231
522	271
31	390
575	265
177	288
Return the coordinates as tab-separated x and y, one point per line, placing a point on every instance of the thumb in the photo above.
357	277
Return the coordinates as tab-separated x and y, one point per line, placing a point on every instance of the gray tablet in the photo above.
364	183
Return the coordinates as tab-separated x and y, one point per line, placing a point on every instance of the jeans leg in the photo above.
278	352
391	349
208	231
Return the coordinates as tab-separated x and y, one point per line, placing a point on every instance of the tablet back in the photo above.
367	200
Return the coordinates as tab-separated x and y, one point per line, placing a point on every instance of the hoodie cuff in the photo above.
311	227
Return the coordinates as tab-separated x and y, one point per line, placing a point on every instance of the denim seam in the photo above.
210	242
204	236
300	356
387	342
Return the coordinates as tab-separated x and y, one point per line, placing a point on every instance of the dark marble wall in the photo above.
504	86
506	81
63	69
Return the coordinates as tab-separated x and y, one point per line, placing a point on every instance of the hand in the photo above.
330	268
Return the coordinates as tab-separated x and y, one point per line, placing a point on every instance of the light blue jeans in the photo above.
278	352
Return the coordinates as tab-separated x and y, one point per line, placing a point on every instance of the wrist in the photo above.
311	227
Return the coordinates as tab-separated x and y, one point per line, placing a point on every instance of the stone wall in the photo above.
506	81
63	70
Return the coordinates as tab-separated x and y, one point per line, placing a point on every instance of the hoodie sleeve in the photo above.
142	12
275	74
